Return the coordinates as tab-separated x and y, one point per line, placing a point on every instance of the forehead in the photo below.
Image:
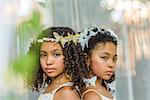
105	47
50	46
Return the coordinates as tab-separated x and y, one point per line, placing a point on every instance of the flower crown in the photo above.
87	33
60	38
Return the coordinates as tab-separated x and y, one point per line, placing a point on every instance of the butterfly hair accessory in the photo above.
88	33
60	38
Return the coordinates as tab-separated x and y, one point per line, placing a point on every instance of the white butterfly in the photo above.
62	39
57	36
91	81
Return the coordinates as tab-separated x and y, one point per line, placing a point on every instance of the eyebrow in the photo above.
57	50
105	53
52	50
43	51
108	53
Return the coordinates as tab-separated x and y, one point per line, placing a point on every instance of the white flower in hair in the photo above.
62	39
40	40
91	81
74	38
85	36
92	33
45	39
88	33
112	33
57	36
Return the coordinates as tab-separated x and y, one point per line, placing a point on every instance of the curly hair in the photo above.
102	36
74	60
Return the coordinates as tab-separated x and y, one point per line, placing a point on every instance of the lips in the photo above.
49	70
110	73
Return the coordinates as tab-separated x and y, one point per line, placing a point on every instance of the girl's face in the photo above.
103	60
52	58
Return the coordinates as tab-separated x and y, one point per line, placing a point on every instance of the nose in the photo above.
49	60
111	64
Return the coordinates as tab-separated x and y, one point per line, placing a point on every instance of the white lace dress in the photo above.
50	96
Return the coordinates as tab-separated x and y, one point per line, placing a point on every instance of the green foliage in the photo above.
30	25
26	64
27	28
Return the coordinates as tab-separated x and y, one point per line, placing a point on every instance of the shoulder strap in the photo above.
65	84
50	95
103	97
88	90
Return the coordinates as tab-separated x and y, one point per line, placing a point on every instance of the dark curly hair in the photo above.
102	36
74	60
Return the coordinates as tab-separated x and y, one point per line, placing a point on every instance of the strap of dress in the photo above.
86	92
50	96
65	84
103	97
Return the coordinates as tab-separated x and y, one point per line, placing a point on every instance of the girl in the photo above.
101	47
60	64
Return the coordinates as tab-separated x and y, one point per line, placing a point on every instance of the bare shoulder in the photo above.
90	95
67	93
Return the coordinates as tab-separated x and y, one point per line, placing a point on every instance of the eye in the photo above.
57	54
115	59
42	55
105	58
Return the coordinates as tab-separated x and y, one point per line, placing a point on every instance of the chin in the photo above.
107	78
52	75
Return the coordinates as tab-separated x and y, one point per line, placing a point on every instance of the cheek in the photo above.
61	65
61	62
96	69
97	66
42	62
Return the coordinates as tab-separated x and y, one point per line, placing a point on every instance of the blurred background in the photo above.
130	19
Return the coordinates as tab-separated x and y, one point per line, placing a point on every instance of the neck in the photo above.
61	79
56	82
99	82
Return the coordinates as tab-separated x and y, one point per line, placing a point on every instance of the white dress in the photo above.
102	96
50	96
92	82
